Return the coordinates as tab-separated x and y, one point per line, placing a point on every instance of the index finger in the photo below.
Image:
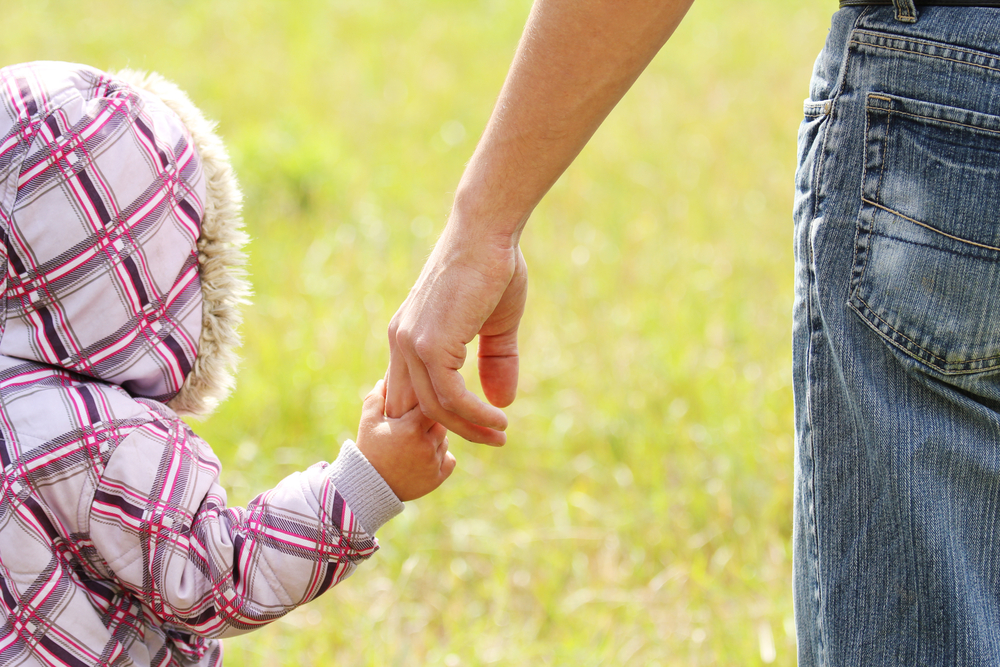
399	396
466	415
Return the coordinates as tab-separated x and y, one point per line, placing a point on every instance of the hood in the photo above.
121	233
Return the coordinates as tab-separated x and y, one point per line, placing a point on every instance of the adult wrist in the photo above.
485	215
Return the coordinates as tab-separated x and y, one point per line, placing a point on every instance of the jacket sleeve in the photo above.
160	523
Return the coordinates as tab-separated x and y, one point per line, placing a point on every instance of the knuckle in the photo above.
404	334
448	402
399	336
422	345
428	411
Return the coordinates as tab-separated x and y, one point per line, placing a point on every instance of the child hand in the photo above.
410	453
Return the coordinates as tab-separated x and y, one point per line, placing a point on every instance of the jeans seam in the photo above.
831	113
812	523
858	273
929	227
813	527
817	591
932	358
816	327
928	55
943	121
911	40
897	332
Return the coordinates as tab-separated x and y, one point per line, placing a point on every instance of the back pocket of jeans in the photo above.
926	274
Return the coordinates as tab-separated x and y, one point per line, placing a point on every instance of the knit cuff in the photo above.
365	492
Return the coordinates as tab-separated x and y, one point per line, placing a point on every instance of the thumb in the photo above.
498	367
498	361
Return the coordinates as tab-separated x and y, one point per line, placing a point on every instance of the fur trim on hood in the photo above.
221	258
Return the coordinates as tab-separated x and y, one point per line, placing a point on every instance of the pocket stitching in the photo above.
926	356
865	231
905	39
929	227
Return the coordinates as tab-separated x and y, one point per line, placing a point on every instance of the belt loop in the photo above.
906	11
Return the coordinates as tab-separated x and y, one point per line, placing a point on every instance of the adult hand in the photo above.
470	285
575	61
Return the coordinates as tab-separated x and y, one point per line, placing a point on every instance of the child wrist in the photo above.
364	490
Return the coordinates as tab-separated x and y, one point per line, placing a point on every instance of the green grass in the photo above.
641	512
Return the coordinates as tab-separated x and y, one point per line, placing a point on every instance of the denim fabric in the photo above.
897	343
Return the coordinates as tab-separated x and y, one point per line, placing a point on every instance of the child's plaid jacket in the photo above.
120	242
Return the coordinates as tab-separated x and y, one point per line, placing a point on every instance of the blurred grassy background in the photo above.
641	512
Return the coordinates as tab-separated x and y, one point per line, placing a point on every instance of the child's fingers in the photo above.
447	458
423	422
448	464
374	405
437	433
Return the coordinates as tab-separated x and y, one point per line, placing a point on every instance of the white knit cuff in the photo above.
366	493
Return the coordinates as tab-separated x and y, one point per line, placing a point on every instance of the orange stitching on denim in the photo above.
926	55
946	47
926	226
932	118
944	364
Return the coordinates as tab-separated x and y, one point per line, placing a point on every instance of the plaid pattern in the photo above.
124	186
116	544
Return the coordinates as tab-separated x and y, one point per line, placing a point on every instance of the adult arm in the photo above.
576	59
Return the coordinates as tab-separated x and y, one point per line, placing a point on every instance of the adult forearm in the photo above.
575	61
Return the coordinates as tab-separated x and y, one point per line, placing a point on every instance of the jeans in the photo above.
897	343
